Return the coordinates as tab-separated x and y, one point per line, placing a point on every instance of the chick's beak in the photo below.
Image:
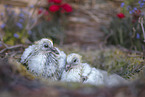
68	67
54	51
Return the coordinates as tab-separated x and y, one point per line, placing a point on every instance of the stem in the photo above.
121	36
141	22
28	27
34	8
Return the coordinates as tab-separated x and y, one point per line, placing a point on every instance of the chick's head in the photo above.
44	44
73	60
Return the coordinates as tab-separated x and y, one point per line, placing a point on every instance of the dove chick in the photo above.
40	59
75	70
100	77
112	79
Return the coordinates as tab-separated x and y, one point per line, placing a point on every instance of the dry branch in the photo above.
11	47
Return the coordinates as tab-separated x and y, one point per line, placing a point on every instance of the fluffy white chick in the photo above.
95	78
61	59
112	79
40	59
101	77
75	71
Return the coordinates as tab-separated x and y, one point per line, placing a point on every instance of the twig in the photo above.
15	53
106	38
141	23
11	47
143	52
29	27
135	55
3	42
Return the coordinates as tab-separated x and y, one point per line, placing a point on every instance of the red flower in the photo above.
66	7
136	15
54	8
137	12
57	1
50	1
120	15
40	11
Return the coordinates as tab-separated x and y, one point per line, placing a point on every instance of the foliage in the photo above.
19	24
54	20
14	25
47	29
125	33
119	62
125	30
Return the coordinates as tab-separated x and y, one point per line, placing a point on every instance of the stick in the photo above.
141	22
12	47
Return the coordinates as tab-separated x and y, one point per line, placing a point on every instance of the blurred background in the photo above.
83	23
109	34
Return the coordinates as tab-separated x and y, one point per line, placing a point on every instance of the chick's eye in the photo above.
75	60
45	45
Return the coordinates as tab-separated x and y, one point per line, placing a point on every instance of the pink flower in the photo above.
46	13
54	8
66	7
120	15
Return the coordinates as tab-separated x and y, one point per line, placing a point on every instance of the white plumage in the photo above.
44	60
61	58
95	77
41	59
101	77
112	79
76	71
